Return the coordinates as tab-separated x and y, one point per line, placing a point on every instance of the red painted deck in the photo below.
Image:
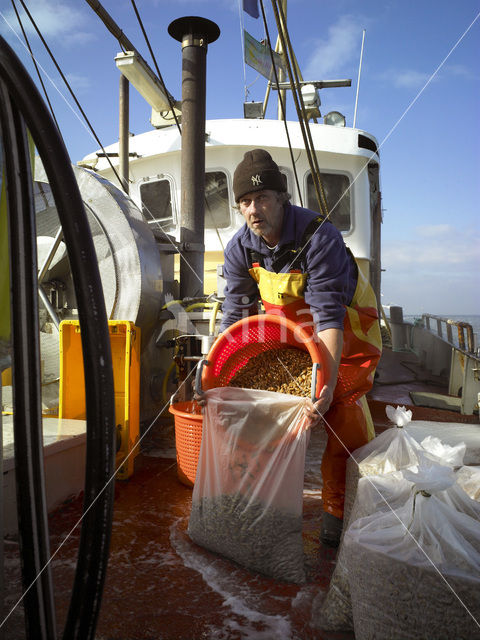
160	585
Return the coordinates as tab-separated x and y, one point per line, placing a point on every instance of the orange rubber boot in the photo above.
346	427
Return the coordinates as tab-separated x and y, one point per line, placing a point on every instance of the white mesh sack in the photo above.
381	494
333	611
469	479
393	450
415	572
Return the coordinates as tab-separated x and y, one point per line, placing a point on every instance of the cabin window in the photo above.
156	199
217	208
335	185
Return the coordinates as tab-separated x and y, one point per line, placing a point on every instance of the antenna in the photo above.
358	81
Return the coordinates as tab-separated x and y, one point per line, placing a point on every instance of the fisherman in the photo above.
297	263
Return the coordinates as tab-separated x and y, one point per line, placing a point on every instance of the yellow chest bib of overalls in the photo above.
279	289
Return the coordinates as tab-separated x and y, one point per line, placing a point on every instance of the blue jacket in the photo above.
332	272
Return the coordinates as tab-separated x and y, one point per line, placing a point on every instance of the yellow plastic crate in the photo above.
7	377
125	346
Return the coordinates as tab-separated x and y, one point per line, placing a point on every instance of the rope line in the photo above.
412	102
407	529
169	97
79	521
35	65
79	106
299	104
282	104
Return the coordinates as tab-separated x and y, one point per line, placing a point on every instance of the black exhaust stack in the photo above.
195	34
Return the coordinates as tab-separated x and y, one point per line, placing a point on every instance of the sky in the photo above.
419	95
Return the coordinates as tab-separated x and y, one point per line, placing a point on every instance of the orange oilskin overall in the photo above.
348	422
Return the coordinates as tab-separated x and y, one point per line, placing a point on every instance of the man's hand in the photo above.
332	341
322	405
198	395
314	412
200	398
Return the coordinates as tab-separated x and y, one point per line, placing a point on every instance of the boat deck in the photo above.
160	585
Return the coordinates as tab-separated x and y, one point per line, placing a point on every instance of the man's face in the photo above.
263	213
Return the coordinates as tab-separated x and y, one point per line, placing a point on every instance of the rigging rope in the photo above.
282	104
242	41
35	65
299	105
305	118
92	130
105	154
169	97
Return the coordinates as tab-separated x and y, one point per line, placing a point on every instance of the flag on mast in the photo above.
257	55
251	7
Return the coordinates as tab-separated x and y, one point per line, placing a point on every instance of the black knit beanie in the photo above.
256	172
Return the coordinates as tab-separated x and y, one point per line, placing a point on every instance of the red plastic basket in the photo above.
188	438
253	335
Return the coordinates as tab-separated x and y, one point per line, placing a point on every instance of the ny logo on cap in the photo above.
256	180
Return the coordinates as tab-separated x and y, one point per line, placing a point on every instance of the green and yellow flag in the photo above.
257	56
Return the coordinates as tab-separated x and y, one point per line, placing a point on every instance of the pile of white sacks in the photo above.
409	562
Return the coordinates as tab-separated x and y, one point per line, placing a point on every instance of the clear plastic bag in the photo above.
450	433
333	611
469	479
392	450
451	455
247	502
396	449
415	572
382	494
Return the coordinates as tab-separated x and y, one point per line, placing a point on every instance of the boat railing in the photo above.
444	329
464	369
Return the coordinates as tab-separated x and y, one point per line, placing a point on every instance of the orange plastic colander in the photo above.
188	438
248	338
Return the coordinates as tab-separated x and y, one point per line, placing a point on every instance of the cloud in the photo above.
459	70
415	79
435	230
409	79
435	247
79	84
341	46
60	21
231	5
437	270
430	293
